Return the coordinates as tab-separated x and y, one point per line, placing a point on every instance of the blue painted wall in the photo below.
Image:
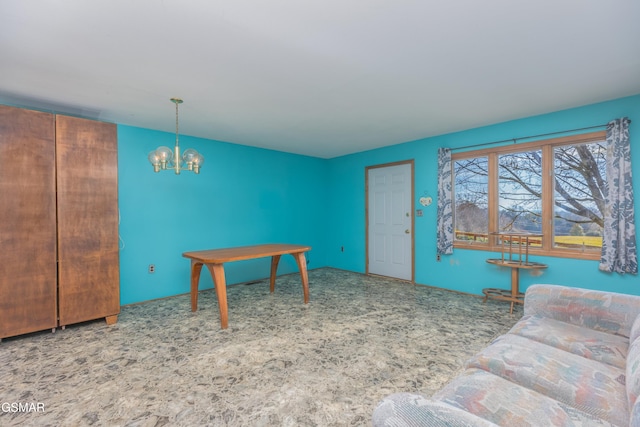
466	270
247	195
242	196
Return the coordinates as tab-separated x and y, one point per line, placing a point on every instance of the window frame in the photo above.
547	147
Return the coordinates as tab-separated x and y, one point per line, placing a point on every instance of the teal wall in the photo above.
242	196
247	195
466	270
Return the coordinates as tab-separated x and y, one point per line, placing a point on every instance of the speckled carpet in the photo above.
280	362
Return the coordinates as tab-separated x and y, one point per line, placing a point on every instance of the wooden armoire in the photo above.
59	260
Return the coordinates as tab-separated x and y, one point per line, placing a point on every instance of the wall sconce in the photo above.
426	200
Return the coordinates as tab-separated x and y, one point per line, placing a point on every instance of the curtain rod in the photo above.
529	137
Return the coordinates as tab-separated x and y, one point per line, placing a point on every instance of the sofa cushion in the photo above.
634	420
604	311
413	410
505	403
633	372
592	387
635	330
595	345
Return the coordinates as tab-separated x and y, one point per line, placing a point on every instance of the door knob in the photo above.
407	231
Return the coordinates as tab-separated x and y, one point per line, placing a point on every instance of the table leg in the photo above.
217	272
302	266
515	285
196	267
274	267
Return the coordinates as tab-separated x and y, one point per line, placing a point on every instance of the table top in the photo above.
218	256
516	264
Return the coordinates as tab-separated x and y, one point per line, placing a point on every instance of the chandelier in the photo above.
162	158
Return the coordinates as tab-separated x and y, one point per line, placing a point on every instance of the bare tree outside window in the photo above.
575	206
520	192
471	199
580	185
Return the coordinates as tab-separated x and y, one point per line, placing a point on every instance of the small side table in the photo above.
519	241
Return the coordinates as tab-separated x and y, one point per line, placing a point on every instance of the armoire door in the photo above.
27	222
87	183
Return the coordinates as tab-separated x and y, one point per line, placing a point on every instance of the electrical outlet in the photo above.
152	268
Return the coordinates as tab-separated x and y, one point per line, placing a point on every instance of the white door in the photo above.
390	222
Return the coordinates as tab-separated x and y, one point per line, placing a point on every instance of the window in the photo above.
553	187
471	199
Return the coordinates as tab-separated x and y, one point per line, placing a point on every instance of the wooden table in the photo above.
214	259
514	295
512	244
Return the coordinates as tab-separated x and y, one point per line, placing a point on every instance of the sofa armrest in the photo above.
609	312
412	410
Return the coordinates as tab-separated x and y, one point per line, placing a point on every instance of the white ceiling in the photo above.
317	77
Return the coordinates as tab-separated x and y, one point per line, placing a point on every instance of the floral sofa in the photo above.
572	360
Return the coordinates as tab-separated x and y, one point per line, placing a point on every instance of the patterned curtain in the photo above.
619	250
444	243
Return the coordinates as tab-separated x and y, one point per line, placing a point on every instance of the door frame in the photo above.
411	163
